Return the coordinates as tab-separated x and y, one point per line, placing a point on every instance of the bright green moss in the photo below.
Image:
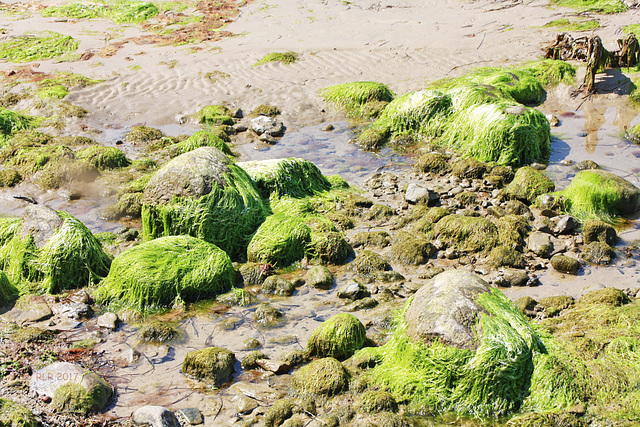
164	271
52	92
357	98
286	177
15	415
120	11
466	233
12	121
8	292
599	6
424	111
200	139
74	398
565	24
46	45
280	240
103	157
596	194
528	184
214	115
284	57
338	337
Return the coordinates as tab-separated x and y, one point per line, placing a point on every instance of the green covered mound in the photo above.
214	115
13	414
8	292
68	257
492	381
528	184
165	271
127	11
286	177
13	121
423	111
104	157
338	337
467	233
358	99
45	45
200	139
203	194
597	194
280	240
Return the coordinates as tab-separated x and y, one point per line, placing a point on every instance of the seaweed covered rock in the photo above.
200	139
71	388
528	184
466	233
254	273
214	115
446	310
598	253
277	285
103	157
597	194
375	401
461	347
158	332
338	337
368	263
469	168
435	163
286	177
280	241
143	134
330	247
268	316
203	194
161	272
320	277
321	378
598	231
358	99
565	264
212	364
611	297
411	249
8	292
424	111
13	414
505	256
51	249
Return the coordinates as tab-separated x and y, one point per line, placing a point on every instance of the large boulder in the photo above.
71	388
51	248
160	272
204	194
446	310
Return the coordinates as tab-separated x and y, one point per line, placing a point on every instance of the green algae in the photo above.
596	194
200	139
467	234
265	110
278	413
143	134
72	257
338	337
435	163
9	177
212	364
280	241
368	263
411	248
598	6
284	57
120	11
329	247
52	92
528	184
45	45
13	414
286	177
214	115
8	292
358	98
165	271
565	24
13	121
104	158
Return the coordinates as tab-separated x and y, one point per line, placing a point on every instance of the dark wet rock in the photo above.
268	316
240	127
540	244
108	320
565	264
74	310
250	361
243	404
41	222
515	277
269	125
445	309
192	416
296	357
417	193
516	207
154	416
599	231
28	310
211	364
598	253
276	285
320	277
565	224
71	388
353	291
157	331
268	139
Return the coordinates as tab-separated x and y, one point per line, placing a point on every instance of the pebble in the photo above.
193	416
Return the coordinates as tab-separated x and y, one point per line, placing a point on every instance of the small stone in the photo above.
515	276
276	366
251	343
417	193
236	113
268	139
193	416
257	391
268	125
566	224
108	321
154	416
540	244
320	277
239	127
354	291
73	310
328	128
244	405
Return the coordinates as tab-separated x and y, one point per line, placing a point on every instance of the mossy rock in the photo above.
466	233
200	139
598	253
554	305
565	264
597	194
469	168
296	357
250	361
254	273
13	414
599	231
238	297
546	420
529	183
368	263
277	285
525	304
330	247
379	212
268	316
8	292
466	199
375	401
358	98
516	207
411	249
265	110
321	378
161	272
9	177
320	277
512	231
104	158
424	112
278	413
158	332
612	297
50	249
504	172
505	256
434	163
143	134
214	365
379	239
372	138
203	194
280	240
214	115
61	172
338	337
129	205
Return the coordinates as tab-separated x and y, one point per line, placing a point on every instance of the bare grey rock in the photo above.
192	416
540	244
320	277
268	125
417	193
41	222
154	416
108	320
